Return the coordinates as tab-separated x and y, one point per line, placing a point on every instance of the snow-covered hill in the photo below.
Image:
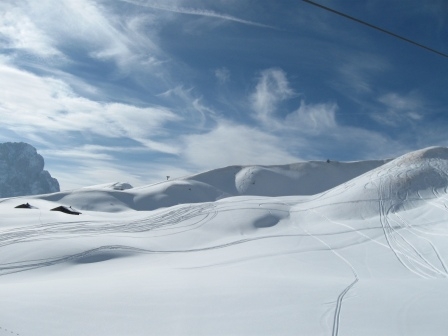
307	249
306	178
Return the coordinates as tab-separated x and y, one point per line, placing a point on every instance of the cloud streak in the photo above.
233	144
397	109
39	105
198	12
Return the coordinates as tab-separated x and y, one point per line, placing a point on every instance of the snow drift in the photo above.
342	249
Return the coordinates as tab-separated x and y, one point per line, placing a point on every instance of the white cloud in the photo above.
312	128
76	167
75	173
80	153
36	105
158	146
18	32
401	103
81	166
400	108
230	144
53	27
271	89
309	119
90	165
313	118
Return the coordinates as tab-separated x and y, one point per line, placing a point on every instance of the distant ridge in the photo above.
304	178
413	176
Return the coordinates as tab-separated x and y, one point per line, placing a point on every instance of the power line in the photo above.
376	27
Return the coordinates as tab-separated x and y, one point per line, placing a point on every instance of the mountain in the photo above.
318	254
22	171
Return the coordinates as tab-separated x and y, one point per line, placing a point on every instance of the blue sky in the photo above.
135	90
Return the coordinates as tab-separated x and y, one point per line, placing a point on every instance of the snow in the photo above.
313	248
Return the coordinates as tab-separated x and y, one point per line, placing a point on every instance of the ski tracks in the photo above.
176	220
337	310
406	252
169	222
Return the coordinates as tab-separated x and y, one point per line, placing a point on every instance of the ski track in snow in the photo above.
407	241
168	222
406	252
338	307
13	267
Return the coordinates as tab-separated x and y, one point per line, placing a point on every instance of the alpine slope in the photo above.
313	248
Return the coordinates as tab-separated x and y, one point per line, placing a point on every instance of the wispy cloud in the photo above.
38	105
19	33
358	70
401	103
78	166
398	109
223	75
78	153
233	144
272	88
79	29
311	129
313	118
189	104
198	12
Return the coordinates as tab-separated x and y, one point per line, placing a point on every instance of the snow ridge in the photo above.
305	178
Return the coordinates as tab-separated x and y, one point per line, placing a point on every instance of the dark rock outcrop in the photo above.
67	210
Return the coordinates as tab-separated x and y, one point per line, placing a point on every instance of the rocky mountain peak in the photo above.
22	171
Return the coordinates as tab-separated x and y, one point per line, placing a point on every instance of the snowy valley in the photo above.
313	248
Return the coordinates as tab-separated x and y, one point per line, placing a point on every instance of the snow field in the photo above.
232	252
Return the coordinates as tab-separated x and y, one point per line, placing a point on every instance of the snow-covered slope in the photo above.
22	171
306	178
366	257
